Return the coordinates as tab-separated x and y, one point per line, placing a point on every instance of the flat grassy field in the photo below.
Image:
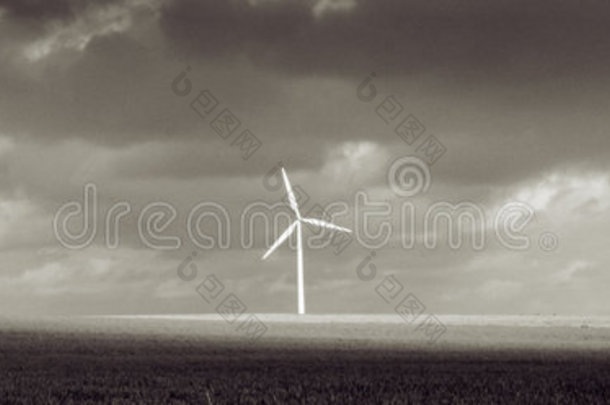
170	361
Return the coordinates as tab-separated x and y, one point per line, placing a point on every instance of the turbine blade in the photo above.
324	224
281	239
291	198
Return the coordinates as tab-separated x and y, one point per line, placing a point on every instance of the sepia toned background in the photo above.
516	91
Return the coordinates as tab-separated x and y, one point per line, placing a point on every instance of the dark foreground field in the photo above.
54	365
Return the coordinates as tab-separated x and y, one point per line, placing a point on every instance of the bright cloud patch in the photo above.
561	194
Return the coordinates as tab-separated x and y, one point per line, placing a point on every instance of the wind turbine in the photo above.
297	224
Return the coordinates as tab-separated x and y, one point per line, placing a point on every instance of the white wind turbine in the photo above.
297	224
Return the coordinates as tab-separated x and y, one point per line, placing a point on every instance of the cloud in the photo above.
519	105
93	22
566	195
38	10
566	274
289	71
397	36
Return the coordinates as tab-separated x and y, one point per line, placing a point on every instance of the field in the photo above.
95	360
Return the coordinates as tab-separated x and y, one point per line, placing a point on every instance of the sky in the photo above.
128	96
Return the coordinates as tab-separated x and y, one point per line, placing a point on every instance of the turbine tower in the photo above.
297	224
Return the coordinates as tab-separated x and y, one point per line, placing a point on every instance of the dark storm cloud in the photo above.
38	9
466	67
104	93
35	13
517	92
499	38
93	80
